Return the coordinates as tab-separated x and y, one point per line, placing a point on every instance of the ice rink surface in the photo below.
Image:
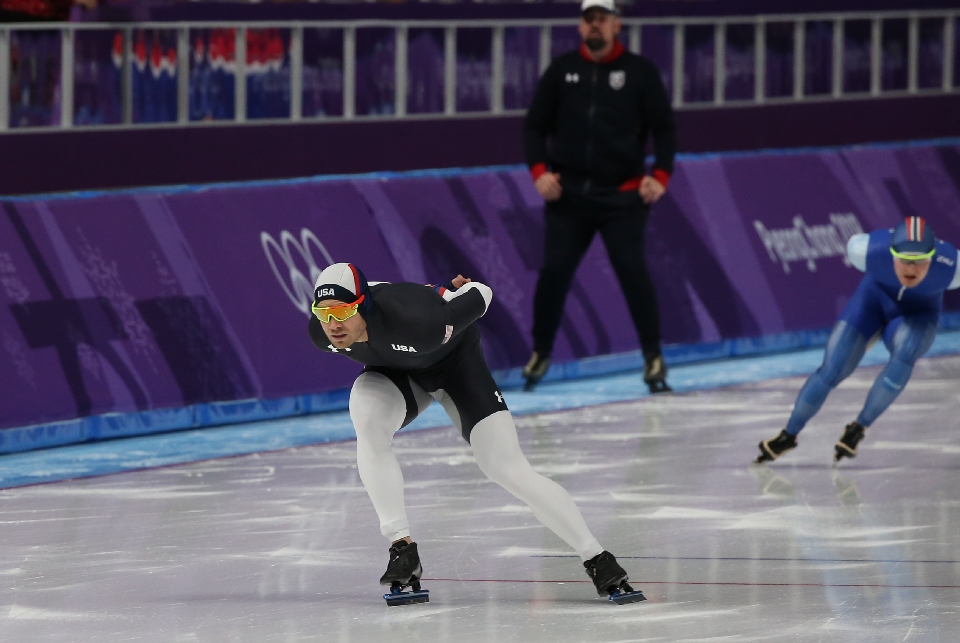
285	546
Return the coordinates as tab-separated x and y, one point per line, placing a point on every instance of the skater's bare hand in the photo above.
651	189
460	280
548	185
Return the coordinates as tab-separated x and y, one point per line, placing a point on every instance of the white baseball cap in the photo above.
606	5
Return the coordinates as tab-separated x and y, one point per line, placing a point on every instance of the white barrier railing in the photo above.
677	73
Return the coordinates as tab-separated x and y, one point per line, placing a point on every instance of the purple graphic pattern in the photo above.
156	300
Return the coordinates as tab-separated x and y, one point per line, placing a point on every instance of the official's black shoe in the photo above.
776	447
846	447
404	567
655	374
535	369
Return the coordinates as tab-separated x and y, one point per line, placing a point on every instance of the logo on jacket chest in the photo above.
618	79
573	78
404	349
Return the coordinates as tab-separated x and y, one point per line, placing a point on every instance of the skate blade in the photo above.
407	598
763	457
623	598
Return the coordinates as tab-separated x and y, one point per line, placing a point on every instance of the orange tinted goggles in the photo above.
341	313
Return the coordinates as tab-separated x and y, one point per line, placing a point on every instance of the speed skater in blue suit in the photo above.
899	300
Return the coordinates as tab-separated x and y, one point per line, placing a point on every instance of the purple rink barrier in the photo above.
137	312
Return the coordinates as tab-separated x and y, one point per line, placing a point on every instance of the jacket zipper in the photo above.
590	115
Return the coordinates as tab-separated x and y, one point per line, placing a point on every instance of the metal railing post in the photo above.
240	76
400	71
876	55
759	61
635	38
678	48
719	62
450	71
66	77
496	73
183	75
349	72
913	51
4	79
546	45
949	44
296	73
838	58
799	58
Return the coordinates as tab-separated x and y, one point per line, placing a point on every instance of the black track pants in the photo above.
568	236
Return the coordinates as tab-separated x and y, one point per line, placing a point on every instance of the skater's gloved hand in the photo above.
453	285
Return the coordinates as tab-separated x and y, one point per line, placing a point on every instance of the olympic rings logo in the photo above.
297	286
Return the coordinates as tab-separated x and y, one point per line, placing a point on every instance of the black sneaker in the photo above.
776	447
535	369
846	447
655	374
404	567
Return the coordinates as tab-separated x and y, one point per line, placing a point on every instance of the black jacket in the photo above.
598	117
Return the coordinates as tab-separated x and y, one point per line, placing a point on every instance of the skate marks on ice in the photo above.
285	546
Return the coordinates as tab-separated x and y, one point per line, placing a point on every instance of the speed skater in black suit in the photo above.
418	344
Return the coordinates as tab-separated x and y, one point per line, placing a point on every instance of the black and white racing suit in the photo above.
424	346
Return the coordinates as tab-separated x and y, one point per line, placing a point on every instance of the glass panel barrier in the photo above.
34	78
562	40
740	62
97	77
656	43
474	68
930	52
376	50
780	62
425	58
268	73
955	25
322	72
521	66
154	76
698	63
856	56
212	70
894	43
818	58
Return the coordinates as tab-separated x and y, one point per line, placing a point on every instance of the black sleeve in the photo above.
657	114
465	309
541	118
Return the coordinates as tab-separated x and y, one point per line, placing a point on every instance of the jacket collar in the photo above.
615	53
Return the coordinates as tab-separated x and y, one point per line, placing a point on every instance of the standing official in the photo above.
585	138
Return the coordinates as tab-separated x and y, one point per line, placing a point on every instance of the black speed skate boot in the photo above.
776	447
404	570
846	447
611	579
655	374
535	369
